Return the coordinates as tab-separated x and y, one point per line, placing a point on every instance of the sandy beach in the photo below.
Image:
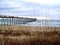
29	35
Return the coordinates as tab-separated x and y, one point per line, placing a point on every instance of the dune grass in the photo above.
29	35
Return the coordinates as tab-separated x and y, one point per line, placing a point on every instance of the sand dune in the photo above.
29	35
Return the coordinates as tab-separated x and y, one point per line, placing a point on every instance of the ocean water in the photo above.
44	23
35	23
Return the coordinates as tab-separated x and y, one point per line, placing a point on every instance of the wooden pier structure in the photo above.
14	20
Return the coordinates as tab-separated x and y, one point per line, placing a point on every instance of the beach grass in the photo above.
29	35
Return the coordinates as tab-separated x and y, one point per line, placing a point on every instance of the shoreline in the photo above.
30	27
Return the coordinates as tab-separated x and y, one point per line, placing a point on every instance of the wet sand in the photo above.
29	35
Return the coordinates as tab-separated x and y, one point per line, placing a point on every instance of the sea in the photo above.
38	23
44	23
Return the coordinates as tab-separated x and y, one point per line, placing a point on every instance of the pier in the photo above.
14	20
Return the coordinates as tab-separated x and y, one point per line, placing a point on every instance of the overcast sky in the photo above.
39	8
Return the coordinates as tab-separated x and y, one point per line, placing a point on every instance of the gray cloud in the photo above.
21	7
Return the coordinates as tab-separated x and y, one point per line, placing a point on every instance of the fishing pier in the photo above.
15	20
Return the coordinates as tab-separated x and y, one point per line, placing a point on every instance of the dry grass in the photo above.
29	35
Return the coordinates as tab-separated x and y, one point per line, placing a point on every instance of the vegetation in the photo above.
29	35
